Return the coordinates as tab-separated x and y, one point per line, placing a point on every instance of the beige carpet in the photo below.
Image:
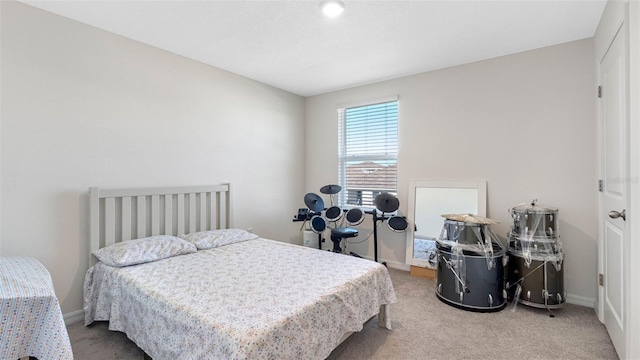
426	328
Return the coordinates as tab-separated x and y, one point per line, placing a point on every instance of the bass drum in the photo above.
541	282
471	280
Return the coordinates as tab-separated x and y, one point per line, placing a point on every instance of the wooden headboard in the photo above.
124	214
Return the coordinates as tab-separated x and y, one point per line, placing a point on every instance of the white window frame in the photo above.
342	159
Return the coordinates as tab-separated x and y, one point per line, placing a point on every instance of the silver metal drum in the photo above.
540	246
471	280
533	221
463	232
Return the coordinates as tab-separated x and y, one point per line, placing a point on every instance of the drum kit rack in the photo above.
320	218
477	272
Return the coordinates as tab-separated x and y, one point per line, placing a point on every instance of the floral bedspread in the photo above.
257	299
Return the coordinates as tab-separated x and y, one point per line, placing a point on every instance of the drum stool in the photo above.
341	233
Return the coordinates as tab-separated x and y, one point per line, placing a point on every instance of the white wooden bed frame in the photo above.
124	214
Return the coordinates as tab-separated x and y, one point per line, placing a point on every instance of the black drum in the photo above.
463	232
397	224
533	221
471	280
318	224
539	277
354	217
333	213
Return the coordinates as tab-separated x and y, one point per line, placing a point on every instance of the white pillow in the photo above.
215	238
143	250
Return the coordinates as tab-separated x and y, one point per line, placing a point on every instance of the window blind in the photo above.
367	152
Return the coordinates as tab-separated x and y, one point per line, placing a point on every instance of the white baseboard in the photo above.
73	317
581	300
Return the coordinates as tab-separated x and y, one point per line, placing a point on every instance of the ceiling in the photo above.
292	46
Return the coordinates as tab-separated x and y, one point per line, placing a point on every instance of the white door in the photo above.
615	191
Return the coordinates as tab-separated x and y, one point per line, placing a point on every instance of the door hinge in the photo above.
600	185
599	91
600	279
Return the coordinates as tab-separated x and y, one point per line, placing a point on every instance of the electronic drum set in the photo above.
341	222
476	272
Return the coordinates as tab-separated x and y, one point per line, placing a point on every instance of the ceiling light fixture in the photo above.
332	8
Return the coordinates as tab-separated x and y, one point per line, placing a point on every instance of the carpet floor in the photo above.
426	328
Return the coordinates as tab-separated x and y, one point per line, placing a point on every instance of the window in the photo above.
367	152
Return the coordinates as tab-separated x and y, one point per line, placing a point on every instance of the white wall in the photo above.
524	122
83	107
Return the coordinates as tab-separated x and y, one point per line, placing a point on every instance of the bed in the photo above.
234	295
